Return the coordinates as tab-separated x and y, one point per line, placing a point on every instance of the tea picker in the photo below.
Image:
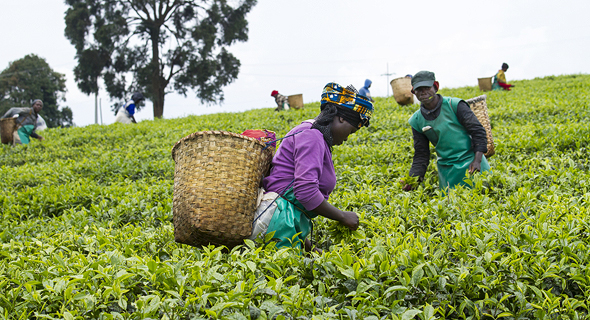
281	100
500	79
302	176
126	112
25	124
365	90
217	199
459	138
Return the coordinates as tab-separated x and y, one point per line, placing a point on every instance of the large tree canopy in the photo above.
159	44
31	78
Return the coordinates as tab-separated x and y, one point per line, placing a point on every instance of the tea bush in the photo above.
86	227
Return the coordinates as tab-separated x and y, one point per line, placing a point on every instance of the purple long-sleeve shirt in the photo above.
306	159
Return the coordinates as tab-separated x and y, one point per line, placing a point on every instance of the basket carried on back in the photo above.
216	180
402	90
480	109
295	101
7	128
485	84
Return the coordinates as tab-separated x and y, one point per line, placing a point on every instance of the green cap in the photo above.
423	79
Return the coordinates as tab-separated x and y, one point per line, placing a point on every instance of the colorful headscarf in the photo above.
350	99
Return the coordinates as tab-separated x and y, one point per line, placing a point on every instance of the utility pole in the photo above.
96	107
388	74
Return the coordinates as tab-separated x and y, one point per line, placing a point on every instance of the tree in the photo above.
32	78
160	44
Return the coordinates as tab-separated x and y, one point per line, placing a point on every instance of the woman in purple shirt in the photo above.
302	175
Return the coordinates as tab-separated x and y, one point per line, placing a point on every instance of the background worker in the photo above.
303	176
126	112
26	122
500	79
449	124
281	100
365	90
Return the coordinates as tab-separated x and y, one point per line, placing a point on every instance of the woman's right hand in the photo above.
350	220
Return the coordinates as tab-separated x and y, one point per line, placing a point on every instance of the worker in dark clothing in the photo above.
449	124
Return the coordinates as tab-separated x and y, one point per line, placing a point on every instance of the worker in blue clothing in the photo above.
365	90
126	112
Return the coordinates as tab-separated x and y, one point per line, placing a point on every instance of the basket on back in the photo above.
480	109
216	180
402	90
485	84
7	127
295	101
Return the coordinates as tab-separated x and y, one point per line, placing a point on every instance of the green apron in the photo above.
25	132
452	144
290	221
495	85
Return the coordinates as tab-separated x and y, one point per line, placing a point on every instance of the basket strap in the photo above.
25	118
270	142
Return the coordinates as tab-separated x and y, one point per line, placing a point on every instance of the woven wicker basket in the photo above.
216	180
485	84
7	127
295	101
480	108
402	90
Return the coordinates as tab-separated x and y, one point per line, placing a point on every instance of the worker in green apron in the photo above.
302	175
26	122
449	124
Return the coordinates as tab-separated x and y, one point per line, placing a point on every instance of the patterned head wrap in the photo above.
348	98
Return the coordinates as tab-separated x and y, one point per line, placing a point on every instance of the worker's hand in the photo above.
350	220
40	138
308	247
475	166
408	186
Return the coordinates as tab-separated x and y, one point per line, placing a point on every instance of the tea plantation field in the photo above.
86	228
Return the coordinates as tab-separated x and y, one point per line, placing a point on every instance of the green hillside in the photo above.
86	228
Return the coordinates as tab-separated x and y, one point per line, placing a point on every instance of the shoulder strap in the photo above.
25	118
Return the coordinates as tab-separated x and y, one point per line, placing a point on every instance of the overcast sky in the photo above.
299	46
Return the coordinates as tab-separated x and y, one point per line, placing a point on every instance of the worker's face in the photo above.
504	69
38	106
341	129
425	94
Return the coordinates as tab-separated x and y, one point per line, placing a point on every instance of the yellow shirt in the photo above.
501	76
